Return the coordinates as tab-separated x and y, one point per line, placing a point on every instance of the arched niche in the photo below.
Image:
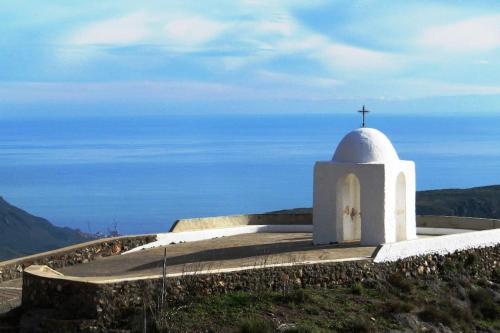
400	211
349	208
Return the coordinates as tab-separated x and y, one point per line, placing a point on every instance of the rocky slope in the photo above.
472	202
23	234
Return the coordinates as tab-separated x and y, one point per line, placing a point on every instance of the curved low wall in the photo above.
73	255
229	221
217	222
437	245
457	222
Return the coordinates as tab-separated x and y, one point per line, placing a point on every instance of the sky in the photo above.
121	58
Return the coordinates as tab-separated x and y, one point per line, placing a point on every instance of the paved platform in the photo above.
226	252
10	295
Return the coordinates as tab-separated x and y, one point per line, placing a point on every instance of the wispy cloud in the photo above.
301	80
477	34
248	49
125	30
192	31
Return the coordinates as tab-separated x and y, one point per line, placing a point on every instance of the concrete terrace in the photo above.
10	294
220	253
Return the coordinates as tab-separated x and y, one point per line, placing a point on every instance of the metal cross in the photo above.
363	111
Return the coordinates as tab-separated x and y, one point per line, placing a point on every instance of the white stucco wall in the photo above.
325	201
378	200
407	168
440	245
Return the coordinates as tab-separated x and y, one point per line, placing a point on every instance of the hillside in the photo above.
23	234
472	202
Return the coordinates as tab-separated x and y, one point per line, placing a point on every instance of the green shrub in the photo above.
496	274
357	288
299	329
371	283
397	306
471	260
296	296
312	310
358	325
460	313
435	315
483	304
255	325
449	266
399	281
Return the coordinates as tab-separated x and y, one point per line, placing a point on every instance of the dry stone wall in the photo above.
72	255
105	304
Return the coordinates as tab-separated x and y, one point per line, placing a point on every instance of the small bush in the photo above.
297	296
397	306
358	325
461	313
400	282
299	329
483	282
471	260
496	274
435	315
449	266
312	310
239	299
371	284
357	288
255	325
483	303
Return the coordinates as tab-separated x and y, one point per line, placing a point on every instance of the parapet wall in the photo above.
72	255
457	222
228	221
106	303
216	222
440	245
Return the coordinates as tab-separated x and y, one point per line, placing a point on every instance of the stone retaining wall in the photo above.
105	304
72	255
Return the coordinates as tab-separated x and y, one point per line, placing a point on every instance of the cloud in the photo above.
129	29
339	56
354	58
193	30
301	80
471	35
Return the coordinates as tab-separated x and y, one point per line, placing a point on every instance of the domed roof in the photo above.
365	145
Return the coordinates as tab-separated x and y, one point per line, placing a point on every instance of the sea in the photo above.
140	174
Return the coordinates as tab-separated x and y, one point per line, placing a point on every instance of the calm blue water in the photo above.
144	173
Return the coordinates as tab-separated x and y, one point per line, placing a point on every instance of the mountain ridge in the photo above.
481	201
22	233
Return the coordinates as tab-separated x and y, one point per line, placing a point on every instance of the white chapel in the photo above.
365	193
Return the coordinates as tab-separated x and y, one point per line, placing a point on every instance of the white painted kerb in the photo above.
440	245
440	231
192	236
